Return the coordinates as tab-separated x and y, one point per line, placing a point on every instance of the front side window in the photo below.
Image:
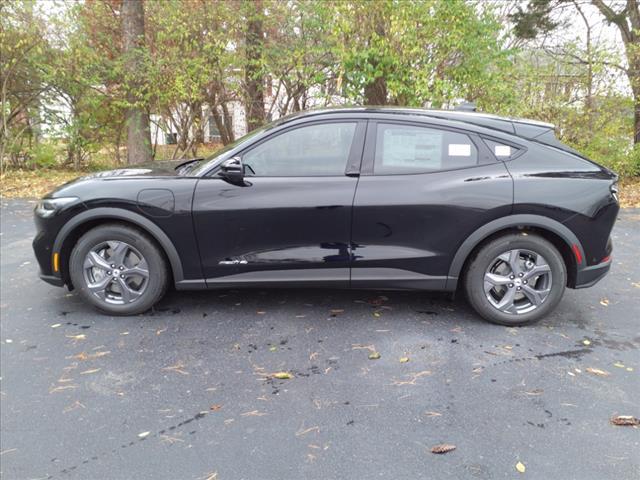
312	150
402	149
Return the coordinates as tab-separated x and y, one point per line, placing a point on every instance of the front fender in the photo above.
107	213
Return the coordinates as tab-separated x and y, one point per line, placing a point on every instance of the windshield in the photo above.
208	162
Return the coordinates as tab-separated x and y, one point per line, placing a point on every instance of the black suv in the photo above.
367	198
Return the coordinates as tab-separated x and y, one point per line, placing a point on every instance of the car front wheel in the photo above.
118	269
515	279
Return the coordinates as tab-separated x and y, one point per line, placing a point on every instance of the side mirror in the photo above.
232	171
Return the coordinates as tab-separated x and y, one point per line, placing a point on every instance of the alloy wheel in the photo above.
115	272
517	281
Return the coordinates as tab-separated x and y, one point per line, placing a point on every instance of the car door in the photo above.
423	189
290	223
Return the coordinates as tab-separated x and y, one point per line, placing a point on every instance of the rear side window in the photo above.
402	149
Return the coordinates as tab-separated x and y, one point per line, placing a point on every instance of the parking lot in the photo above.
188	391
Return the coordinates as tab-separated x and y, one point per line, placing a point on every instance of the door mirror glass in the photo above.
233	171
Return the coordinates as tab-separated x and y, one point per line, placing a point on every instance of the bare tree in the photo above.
628	22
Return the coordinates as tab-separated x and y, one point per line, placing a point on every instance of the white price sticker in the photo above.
459	150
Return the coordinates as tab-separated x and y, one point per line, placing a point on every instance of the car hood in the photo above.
163	169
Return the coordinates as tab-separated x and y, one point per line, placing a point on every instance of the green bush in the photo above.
43	155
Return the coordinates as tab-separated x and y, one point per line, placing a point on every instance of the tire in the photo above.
129	291
497	277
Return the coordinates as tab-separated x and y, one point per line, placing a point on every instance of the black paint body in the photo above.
359	229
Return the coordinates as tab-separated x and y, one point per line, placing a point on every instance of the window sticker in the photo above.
459	150
502	150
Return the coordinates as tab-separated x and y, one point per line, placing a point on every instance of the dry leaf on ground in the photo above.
597	371
520	467
442	448
625	421
282	375
374	356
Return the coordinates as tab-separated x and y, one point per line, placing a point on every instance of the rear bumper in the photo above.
589	276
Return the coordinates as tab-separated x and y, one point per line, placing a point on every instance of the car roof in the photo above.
487	120
541	132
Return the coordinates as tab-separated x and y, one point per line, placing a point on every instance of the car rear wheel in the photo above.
515	279
118	269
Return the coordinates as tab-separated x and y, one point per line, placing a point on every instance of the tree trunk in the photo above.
375	92
137	117
254	76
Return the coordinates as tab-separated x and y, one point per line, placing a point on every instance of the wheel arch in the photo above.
551	230
85	221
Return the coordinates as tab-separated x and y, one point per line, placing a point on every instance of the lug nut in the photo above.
521	274
525	282
109	272
519	288
511	285
121	276
113	265
511	277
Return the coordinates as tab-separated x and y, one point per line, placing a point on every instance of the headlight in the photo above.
48	207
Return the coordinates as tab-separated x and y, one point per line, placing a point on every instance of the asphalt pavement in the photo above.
188	390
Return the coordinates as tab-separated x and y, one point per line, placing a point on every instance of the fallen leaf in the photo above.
282	375
618	364
143	434
336	311
61	388
273	349
520	467
625	421
80	336
8	340
586	342
442	448
261	312
215	408
90	356
597	371
374	356
253	413
92	370
404	359
629	369
56	325
604	302
376	314
301	432
433	414
178	367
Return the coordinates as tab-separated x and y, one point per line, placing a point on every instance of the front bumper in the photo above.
52	280
589	276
